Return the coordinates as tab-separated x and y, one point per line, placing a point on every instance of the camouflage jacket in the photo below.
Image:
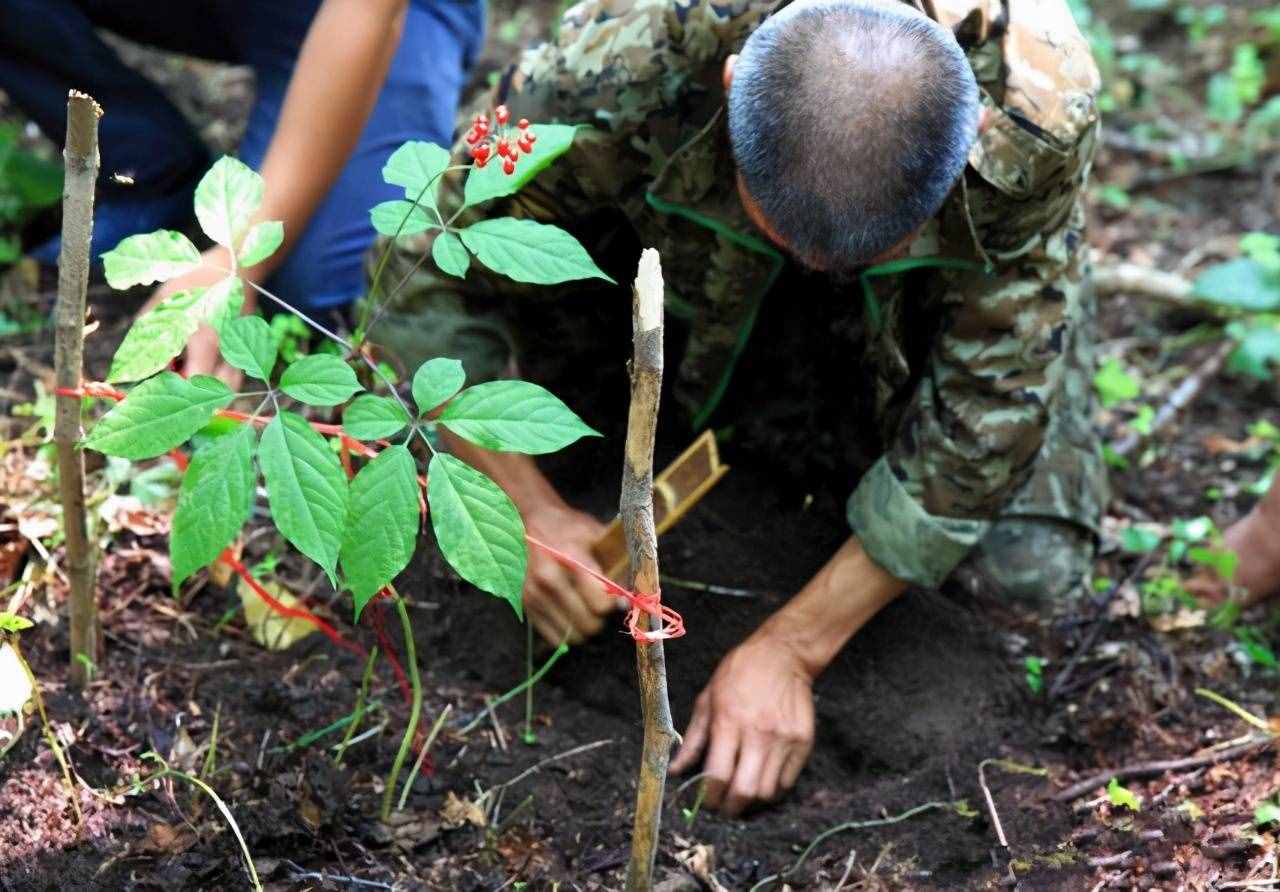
997	277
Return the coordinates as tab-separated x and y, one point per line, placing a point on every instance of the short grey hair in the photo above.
850	122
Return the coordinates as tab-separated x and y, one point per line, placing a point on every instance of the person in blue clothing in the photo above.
339	85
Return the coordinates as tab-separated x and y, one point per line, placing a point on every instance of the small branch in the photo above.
636	510
1183	395
1152	769
1143	281
81	162
991	803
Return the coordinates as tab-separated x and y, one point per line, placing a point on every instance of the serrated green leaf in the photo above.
306	489
214	502
450	255
1243	284
401	217
1259	350
382	523
513	416
417	166
227	197
528	251
372	417
1139	540
1114	384
159	335
149	258
260	242
1120	796
11	622
157	415
319	379
247	344
489	182
478	528
435	381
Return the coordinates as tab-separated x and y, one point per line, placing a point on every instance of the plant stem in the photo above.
529	739
82	163
415	710
422	754
636	510
50	737
526	685
358	712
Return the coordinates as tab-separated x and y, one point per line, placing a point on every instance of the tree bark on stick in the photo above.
642	545
81	163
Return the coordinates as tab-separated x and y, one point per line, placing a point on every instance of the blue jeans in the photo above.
50	46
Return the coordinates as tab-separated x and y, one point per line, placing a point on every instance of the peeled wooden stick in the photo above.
1182	396
81	162
642	547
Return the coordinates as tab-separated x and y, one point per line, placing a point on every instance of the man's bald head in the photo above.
851	121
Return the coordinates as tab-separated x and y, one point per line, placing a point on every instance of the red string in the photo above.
641	604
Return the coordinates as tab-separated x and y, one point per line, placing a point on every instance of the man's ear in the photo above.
727	73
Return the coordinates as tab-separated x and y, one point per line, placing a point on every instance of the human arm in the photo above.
339	73
1255	539
754	720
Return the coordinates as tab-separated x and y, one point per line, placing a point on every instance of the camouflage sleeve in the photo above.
973	427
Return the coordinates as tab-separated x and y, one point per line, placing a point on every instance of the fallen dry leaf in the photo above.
457	811
270	629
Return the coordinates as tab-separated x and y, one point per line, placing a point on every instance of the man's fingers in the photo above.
771	772
744	789
695	738
721	758
791	767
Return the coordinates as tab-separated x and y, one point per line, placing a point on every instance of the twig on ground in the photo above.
1151	769
1096	623
1132	278
1236	709
81	163
848	869
300	875
50	737
1183	395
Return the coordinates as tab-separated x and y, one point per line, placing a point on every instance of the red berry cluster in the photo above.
508	146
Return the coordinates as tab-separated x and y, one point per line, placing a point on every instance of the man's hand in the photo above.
201	355
755	718
757	715
562	601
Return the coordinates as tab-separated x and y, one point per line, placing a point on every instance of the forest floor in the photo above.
987	714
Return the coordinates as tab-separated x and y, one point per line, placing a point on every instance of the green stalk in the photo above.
415	711
358	712
527	684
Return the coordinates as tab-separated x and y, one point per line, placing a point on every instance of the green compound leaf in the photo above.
162	333
417	166
227	197
260	242
306	489
450	255
401	217
320	379
1122	796
1243	283
157	415
513	416
214	502
372	417
1114	384
382	523
479	530
527	251
435	381
247	344
489	182
148	258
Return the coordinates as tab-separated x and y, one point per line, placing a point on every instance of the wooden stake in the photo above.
81	163
642	546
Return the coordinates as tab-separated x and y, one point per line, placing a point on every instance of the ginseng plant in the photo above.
361	527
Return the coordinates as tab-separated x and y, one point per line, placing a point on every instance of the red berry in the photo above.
525	146
531	136
502	113
482	160
481	152
508	167
473	137
523	124
503	149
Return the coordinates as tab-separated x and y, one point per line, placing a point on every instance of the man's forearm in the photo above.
335	85
847	592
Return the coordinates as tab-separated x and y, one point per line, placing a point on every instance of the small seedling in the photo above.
1034	673
1120	796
